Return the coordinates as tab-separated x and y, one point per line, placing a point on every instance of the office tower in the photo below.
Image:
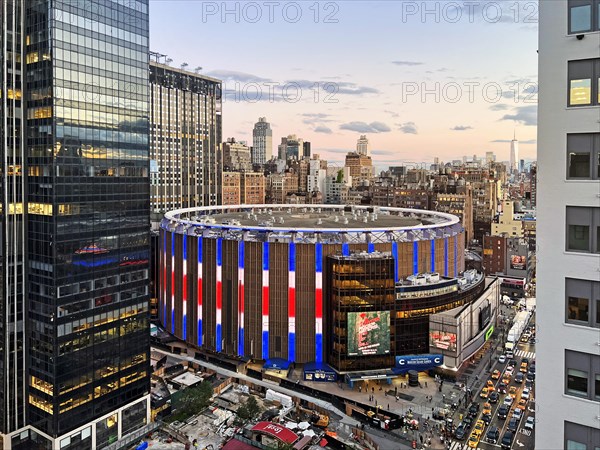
362	145
568	233
521	165
185	129
306	149
490	157
514	155
262	141
75	228
236	156
360	166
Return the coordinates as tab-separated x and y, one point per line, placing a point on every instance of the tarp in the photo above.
277	364
277	431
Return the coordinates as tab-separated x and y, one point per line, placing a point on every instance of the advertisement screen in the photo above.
517	262
484	316
368	333
443	340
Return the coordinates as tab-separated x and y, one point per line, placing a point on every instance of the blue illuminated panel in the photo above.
433	255
395	255
370	247
199	313
415	257
346	249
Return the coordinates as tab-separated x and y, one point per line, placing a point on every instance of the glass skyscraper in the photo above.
75	223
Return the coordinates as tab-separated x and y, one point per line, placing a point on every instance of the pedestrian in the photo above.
397	398
385	393
395	390
426	384
360	389
373	390
388	406
440	388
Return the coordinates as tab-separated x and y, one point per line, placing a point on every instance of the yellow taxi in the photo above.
479	427
490	386
523	368
522	404
495	374
474	440
506	378
487	408
512	391
484	393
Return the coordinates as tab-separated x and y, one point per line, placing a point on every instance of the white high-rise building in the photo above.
362	145
567	388
514	155
262	141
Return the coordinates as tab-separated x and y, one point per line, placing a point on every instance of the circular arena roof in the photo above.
311	223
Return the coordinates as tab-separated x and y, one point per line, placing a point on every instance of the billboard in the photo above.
368	333
443	340
518	262
485	315
419	362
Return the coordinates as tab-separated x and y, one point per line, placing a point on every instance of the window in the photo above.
582	229
583	156
580	437
582	375
581	297
583	82
582	18
577	382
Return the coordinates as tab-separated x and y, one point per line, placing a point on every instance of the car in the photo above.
502	412
468	422
506	378
510	370
512	363
529	383
473	440
487	418
484	393
532	340
530	376
522	404
490	386
519	378
510	354
487	408
460	432
525	394
479	427
495	374
492	435
507	440
524	360
493	397
508	400
513	424
532	368
525	337
502	388
502	359
524	367
473	409
517	414
512	391
530	423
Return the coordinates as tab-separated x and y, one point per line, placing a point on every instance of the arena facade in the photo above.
257	281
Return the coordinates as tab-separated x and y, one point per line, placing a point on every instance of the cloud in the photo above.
233	76
407	63
507	141
408	128
315	118
391	113
363	127
384	152
499	107
322	129
526	115
461	128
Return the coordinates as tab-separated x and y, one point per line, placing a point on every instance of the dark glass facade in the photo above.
12	244
81	196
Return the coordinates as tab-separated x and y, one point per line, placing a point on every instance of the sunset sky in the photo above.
420	79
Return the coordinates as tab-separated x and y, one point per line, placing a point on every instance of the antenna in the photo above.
197	69
184	65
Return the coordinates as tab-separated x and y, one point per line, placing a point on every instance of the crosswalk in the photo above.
524	354
456	445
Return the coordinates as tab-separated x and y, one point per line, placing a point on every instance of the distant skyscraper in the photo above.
514	155
262	141
74	331
362	145
490	157
306	149
185	164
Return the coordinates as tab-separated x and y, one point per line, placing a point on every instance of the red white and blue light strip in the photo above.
319	302
185	287
164	273
173	283
200	340
241	251
292	303
265	301
219	294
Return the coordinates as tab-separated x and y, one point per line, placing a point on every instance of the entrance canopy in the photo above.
277	364
314	371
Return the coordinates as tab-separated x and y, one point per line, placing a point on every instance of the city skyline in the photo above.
478	109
